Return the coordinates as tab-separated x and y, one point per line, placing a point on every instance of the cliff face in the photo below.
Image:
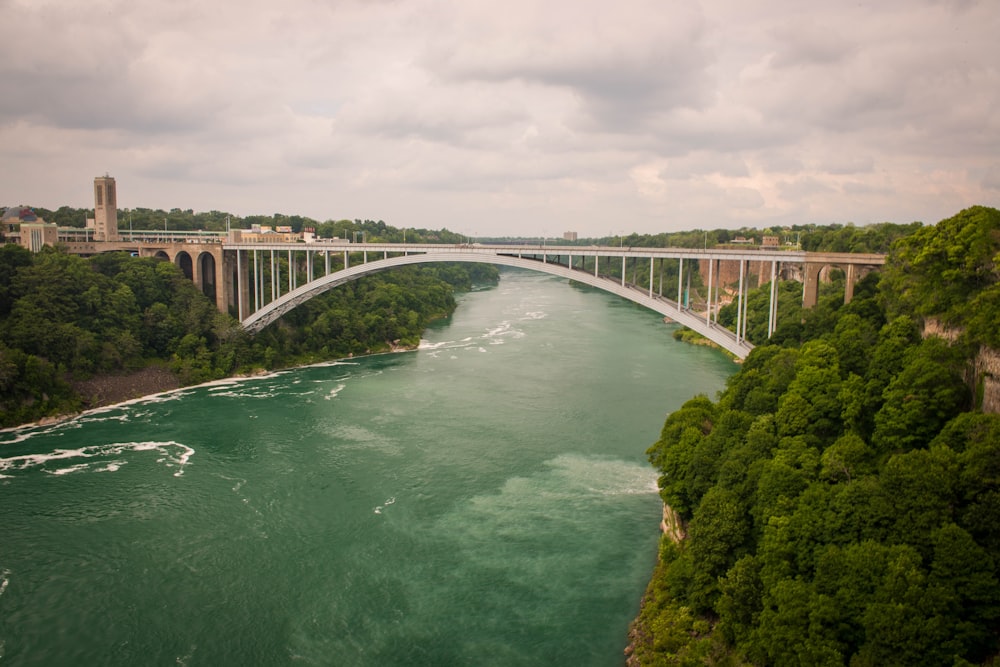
986	374
984	371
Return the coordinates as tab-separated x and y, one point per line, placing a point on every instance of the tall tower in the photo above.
105	209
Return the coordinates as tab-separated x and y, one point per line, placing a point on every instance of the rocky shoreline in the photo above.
105	390
639	635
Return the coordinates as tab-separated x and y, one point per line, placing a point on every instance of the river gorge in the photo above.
484	499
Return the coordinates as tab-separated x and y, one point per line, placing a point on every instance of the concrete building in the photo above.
20	225
105	209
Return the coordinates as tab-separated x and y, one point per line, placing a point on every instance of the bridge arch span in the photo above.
722	336
185	263
206	272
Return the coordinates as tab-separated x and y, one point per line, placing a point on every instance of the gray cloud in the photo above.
506	118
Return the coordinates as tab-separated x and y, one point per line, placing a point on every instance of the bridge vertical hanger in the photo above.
680	281
273	277
256	287
239	281
746	304
739	305
708	301
772	311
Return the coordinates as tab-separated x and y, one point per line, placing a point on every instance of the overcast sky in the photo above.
508	117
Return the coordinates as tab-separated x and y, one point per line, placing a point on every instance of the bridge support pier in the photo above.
812	273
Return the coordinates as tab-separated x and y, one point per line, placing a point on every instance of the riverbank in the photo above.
107	390
103	390
641	636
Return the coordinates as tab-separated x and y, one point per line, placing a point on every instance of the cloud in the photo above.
508	118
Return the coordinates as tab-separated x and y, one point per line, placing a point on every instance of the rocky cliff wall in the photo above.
986	373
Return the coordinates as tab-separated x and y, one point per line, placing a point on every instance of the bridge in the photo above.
253	280
241	269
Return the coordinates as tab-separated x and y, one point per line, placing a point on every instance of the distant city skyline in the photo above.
520	119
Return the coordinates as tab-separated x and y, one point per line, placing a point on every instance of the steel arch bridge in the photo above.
232	271
245	259
725	338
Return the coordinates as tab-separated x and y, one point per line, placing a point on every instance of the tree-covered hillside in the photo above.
64	319
841	497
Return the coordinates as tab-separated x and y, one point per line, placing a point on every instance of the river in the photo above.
484	500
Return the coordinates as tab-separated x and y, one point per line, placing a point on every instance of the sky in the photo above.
508	118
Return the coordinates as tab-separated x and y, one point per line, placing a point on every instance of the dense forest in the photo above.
65	319
839	502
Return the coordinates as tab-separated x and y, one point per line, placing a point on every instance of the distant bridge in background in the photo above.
248	279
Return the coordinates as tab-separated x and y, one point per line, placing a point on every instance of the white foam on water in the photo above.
388	501
338	362
65	471
245	392
335	391
17	434
219	385
102	416
603	476
499	330
22	433
28	462
183	659
427	345
432	349
4	581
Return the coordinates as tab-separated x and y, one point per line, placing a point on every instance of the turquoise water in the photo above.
484	500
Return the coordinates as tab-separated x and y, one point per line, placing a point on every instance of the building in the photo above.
263	234
20	225
569	236
105	209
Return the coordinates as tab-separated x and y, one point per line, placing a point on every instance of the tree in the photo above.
920	400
